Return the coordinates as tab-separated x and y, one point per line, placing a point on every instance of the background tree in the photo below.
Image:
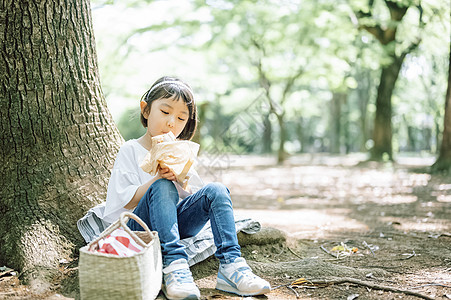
281	50
443	162
216	38
58	140
385	29
433	107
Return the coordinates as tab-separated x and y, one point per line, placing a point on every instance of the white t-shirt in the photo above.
127	177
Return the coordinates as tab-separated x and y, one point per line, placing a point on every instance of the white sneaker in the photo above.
178	281
237	278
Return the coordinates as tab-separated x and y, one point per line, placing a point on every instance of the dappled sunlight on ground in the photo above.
305	223
417	223
397	199
338	188
271	185
310	195
424	225
444	198
396	215
429	281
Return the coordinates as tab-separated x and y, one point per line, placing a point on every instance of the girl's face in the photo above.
166	114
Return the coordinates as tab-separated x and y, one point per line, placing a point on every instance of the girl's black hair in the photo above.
175	89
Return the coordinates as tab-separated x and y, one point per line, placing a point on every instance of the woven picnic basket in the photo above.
109	276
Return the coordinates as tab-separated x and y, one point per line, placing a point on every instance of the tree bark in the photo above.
58	140
301	135
443	162
382	132
281	154
202	113
267	134
363	92
335	122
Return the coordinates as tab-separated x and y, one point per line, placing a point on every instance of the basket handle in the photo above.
122	221
125	216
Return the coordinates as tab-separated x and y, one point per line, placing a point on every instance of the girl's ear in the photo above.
143	105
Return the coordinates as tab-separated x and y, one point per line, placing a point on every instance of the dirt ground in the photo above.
351	230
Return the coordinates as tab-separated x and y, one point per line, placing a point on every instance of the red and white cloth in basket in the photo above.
119	242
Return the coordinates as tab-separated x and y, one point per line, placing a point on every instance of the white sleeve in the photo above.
122	186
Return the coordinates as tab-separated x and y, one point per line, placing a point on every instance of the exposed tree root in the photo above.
328	282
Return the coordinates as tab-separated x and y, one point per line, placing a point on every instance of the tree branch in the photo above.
396	12
263	80
290	84
366	284
388	35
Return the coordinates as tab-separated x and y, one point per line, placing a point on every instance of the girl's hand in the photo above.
166	173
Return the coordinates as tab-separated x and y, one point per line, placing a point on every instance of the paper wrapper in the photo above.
178	156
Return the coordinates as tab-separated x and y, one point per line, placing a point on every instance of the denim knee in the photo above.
164	189
163	184
217	191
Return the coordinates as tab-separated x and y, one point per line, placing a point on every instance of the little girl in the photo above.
167	208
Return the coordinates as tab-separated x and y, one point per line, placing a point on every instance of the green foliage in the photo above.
129	124
223	47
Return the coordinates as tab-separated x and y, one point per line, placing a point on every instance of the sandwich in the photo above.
167	152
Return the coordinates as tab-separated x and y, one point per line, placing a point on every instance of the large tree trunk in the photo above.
437	136
267	134
301	134
443	162
58	140
335	122
201	112
363	92
386	35
382	132
281	154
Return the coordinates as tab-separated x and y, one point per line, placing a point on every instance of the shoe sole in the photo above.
229	289
189	297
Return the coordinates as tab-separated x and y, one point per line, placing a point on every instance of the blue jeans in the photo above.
161	210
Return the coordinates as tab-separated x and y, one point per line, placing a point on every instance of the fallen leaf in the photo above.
338	248
299	281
